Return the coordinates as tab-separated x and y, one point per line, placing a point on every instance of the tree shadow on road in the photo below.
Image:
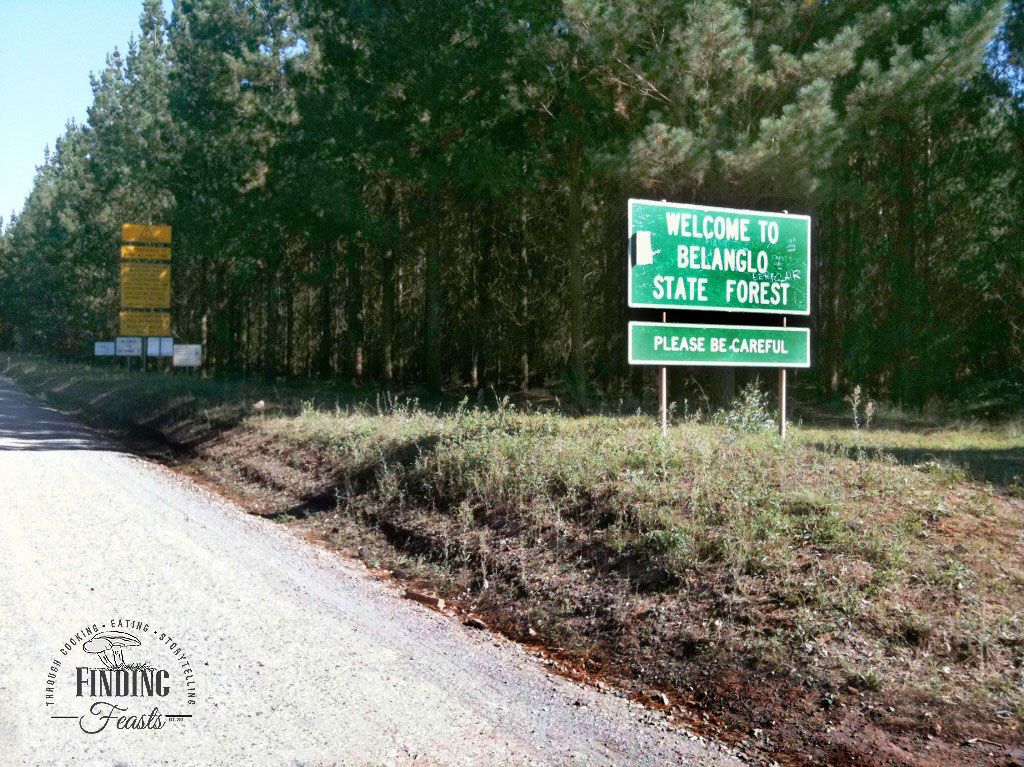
27	425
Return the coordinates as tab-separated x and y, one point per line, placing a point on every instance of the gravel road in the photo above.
293	657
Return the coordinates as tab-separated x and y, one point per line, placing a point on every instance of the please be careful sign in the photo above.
657	343
719	259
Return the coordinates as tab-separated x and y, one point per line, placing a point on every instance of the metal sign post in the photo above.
664	391
782	397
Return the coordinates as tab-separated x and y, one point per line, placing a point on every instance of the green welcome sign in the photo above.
660	343
720	259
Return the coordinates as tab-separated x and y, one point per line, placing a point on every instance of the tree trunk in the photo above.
575	267
724	386
270	340
388	293
354	325
390	286
222	348
485	326
289	327
903	270
830	294
432	300
525	322
326	312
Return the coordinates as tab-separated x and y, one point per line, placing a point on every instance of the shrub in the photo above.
749	413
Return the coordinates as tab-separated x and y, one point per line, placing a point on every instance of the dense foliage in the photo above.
435	192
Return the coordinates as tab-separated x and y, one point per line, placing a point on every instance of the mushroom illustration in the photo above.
108	644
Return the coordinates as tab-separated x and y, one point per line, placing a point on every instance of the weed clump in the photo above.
749	413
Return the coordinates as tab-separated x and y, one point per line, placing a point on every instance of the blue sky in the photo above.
47	50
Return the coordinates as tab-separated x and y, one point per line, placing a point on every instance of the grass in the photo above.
879	562
985	452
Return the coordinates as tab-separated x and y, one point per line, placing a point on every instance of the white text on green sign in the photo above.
661	343
720	259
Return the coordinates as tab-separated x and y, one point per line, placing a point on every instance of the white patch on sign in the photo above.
644	252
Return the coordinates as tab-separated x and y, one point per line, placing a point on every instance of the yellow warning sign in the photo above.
152	252
145	286
145	324
145	233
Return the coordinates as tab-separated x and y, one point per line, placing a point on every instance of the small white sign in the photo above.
105	348
159	347
644	251
188	355
128	346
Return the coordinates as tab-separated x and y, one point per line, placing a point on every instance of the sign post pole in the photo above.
664	391
782	398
